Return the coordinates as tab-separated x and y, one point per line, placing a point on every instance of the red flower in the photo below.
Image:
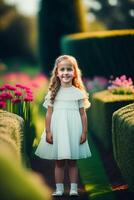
19	86
28	99
2	88
2	104
18	93
5	96
14	101
9	87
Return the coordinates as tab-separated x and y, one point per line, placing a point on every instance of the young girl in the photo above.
65	136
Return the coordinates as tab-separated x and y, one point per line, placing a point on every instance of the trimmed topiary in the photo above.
12	125
123	141
104	103
102	53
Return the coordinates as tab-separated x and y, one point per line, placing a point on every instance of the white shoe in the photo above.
58	193
73	193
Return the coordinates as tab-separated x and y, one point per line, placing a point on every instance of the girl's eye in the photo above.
62	69
66	68
69	69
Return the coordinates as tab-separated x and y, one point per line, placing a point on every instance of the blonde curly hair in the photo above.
55	84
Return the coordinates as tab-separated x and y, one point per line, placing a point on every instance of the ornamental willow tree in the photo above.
55	19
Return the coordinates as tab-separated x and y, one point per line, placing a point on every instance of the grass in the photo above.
93	176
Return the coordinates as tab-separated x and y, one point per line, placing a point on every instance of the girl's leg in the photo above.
73	174
59	171
59	177
73	171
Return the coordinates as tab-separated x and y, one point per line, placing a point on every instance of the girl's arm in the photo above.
49	137
84	125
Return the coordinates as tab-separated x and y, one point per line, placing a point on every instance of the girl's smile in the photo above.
65	73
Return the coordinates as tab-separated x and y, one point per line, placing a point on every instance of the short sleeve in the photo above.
47	101
84	103
81	103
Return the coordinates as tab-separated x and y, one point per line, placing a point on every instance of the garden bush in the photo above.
123	141
104	103
18	182
102	53
11	131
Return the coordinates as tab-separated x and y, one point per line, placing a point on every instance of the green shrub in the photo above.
17	183
9	144
12	125
123	141
102	53
103	104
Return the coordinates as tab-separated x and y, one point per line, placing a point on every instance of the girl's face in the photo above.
65	72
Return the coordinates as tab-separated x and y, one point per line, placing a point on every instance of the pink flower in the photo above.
122	85
5	96
15	101
18	93
123	77
2	104
9	87
2	88
28	99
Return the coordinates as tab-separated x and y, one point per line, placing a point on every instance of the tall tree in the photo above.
57	18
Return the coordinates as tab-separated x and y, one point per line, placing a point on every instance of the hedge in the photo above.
17	182
11	130
102	53
103	104
123	141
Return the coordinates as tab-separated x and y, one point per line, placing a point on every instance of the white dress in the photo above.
66	127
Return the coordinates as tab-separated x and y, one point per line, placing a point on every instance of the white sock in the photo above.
59	186
74	186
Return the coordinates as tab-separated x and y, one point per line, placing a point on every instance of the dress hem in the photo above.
65	158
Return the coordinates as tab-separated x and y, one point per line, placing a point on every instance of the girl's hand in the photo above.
83	138
49	138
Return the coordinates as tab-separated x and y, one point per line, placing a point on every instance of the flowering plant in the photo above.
16	99
96	84
121	85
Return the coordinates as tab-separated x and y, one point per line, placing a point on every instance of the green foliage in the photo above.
93	175
12	125
8	144
19	183
123	141
102	53
17	34
57	18
105	103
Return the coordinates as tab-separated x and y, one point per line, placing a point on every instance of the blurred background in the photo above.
31	31
100	35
